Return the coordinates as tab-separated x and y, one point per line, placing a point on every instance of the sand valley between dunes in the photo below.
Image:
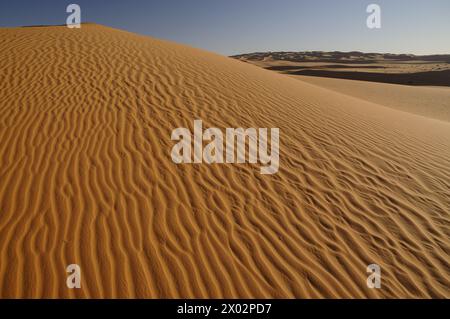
86	177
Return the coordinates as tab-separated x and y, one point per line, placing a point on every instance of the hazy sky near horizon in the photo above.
242	26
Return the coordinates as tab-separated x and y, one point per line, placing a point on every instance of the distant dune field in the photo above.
86	177
406	69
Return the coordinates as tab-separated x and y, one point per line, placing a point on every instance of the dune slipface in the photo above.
86	177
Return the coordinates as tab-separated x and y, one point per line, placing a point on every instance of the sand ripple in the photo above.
86	177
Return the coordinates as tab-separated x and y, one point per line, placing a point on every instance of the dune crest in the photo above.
86	177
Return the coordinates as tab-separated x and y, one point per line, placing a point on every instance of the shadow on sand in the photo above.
434	78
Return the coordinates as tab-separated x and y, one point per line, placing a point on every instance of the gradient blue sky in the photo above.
242	26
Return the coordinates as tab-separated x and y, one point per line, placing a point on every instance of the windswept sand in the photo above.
86	177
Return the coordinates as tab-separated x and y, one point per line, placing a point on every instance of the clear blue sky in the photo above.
240	26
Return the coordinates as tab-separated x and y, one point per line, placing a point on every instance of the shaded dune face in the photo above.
86	177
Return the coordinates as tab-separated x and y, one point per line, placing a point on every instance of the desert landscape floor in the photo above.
86	178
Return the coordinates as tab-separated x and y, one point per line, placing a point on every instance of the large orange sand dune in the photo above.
86	177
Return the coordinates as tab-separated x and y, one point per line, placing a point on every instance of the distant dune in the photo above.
86	177
407	69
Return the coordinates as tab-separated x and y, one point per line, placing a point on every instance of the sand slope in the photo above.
86	177
433	102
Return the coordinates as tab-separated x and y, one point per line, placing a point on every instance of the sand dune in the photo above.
86	177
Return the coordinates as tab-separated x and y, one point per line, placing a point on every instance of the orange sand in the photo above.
86	177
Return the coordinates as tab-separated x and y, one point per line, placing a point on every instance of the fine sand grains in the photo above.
86	177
